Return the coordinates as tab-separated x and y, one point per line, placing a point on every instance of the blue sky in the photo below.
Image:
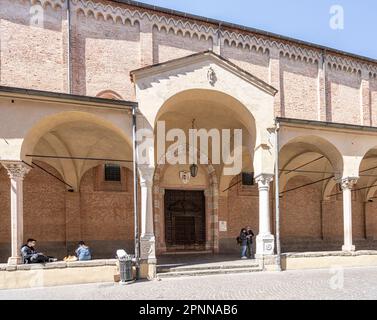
307	20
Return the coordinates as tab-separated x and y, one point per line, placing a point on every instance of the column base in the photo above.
265	245
148	247
349	248
14	261
148	269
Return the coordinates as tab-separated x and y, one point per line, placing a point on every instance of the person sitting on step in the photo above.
83	252
31	255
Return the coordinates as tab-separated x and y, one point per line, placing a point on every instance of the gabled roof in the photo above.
198	57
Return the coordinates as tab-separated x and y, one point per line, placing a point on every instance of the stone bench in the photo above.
57	273
326	260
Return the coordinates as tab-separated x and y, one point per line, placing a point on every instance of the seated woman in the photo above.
83	252
30	255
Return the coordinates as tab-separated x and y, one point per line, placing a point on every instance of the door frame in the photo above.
193	247
211	196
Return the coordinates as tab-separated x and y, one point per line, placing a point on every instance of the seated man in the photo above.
83	252
30	255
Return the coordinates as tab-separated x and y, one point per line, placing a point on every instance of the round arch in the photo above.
201	104
75	134
297	146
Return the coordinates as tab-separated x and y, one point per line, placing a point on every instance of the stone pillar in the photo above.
17	172
147	238
347	185
366	101
73	220
217	43
322	83
146	43
275	81
265	240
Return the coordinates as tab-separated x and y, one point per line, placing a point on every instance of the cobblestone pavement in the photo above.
338	284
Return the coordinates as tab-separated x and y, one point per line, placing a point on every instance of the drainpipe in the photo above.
136	205
69	58
324	67
277	197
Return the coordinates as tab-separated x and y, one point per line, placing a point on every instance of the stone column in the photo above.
366	101
276	81
147	238
265	240
347	185
322	83
17	172
72	220
146	43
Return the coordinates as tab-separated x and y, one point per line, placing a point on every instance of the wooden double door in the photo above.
185	225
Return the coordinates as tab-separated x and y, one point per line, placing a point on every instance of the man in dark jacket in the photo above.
30	255
250	235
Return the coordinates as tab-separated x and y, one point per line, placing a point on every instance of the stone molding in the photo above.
55	4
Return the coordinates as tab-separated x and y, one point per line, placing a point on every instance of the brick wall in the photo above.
371	220
104	54
105	49
4	215
104	219
301	210
31	55
333	227
254	61
107	219
168	46
344	102
300	84
239	209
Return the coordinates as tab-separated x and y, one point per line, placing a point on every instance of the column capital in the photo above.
365	74
264	180
274	53
16	170
348	183
146	175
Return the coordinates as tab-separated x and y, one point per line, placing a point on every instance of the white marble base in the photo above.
265	245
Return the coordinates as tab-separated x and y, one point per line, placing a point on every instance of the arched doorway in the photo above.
173	195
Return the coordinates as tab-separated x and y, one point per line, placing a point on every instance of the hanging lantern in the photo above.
194	170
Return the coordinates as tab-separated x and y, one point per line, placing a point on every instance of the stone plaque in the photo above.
223	226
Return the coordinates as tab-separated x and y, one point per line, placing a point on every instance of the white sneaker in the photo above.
244	258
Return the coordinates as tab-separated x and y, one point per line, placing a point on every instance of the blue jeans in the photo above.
243	251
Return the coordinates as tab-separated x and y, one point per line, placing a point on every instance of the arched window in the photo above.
109	94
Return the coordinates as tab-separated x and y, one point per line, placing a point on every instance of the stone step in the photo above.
167	269
318	246
207	272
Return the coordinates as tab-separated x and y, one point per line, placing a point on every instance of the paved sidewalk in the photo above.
339	284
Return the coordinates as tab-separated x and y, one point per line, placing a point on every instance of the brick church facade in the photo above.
69	79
